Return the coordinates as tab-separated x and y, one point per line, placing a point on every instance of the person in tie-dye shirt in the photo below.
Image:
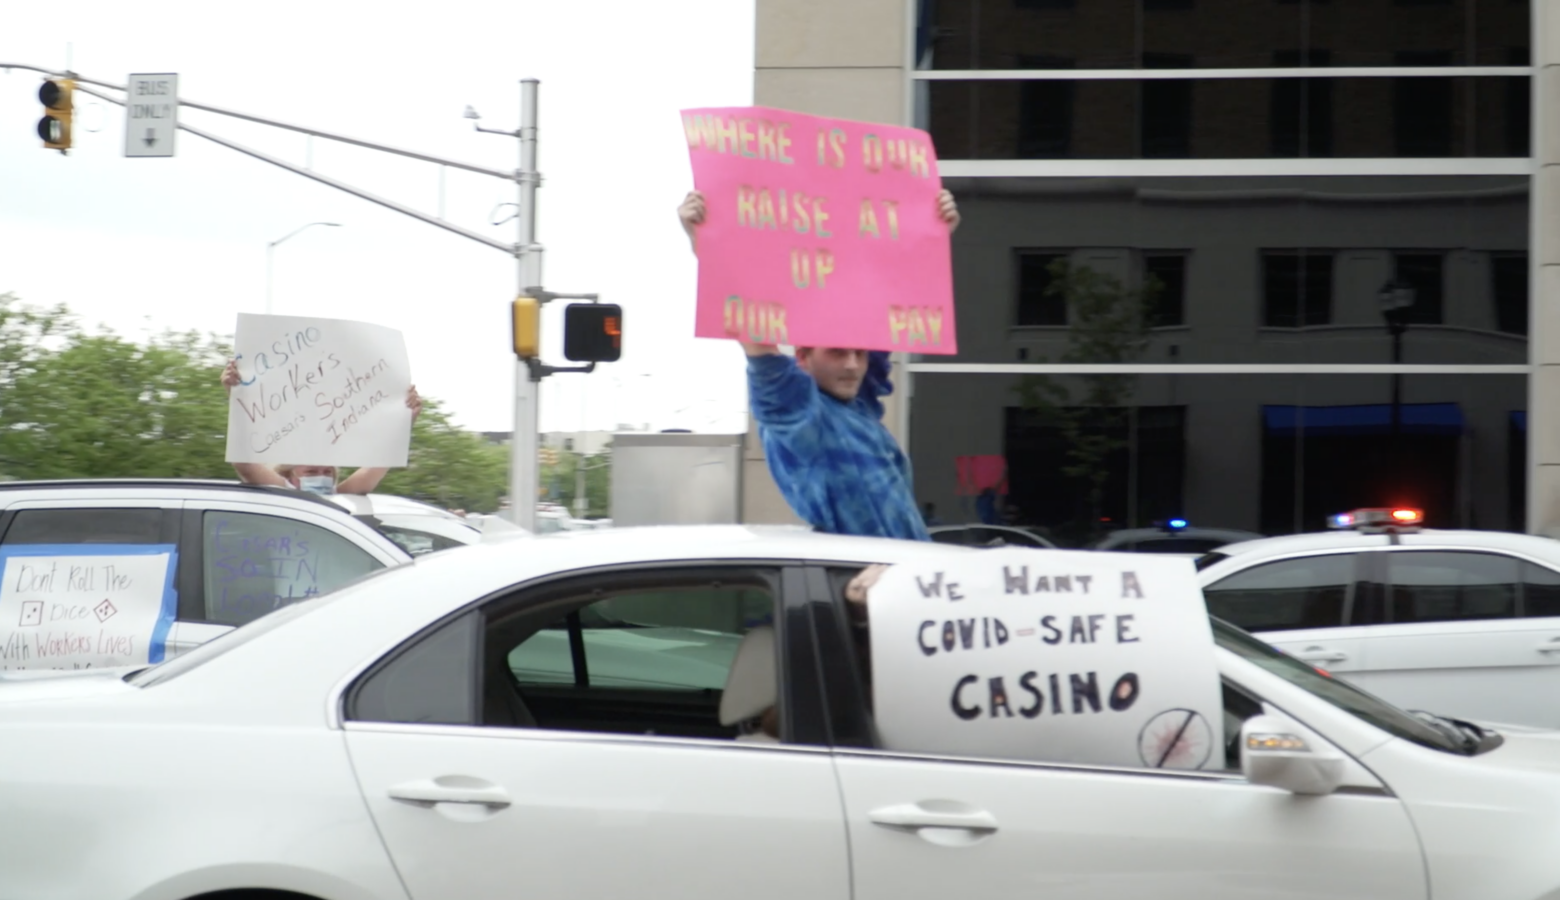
820	416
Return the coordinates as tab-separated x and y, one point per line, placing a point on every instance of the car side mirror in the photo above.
1277	752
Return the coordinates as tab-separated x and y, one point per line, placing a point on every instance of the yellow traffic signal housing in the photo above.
527	321
54	127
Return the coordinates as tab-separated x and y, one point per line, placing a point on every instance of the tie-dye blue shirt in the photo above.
835	463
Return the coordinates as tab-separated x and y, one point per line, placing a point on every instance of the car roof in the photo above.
1312	542
657	543
388	504
144	484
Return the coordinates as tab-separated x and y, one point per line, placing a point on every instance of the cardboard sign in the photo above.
819	232
1054	656
84	606
325	392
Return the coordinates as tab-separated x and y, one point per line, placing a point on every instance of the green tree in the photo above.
450	467
560	482
1108	322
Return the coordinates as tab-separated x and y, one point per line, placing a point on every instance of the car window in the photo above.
1439	586
1540	591
660	640
1306	592
1208	559
86	526
420	535
627	652
952	536
997	537
253	564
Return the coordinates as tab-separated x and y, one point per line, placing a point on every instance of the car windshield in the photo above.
1208	559
1346	697
418	535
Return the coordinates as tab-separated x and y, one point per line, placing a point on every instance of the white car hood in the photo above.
1523	748
69	684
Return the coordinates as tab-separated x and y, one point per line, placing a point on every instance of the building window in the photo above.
1165	113
1045	112
1037	303
1169	304
1426	274
1297	288
1044	4
1519	110
1510	289
1302	113
1157	5
1422	107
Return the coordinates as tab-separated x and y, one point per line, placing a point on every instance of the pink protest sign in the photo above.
819	232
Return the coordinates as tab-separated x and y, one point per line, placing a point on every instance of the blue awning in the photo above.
1376	418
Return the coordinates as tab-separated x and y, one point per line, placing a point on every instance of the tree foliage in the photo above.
76	403
1108	322
560	482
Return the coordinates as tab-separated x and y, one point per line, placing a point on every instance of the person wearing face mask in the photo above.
314	479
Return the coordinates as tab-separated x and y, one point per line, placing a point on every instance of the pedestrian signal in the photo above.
593	332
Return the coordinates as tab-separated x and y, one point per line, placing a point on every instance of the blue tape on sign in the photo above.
168	612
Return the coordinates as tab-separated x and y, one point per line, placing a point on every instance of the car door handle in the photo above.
1552	646
451	789
933	815
1321	654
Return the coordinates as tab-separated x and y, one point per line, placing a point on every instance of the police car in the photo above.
1466	623
439	730
1175	537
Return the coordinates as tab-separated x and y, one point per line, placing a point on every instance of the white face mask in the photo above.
324	485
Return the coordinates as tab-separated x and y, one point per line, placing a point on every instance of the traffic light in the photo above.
593	332
54	127
526	318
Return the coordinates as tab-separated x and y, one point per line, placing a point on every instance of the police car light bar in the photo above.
1376	518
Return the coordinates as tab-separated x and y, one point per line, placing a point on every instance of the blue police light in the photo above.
1176	524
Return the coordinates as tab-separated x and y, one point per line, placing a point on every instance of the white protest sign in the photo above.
1054	656
326	392
85	606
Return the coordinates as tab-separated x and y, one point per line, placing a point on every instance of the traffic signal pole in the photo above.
524	470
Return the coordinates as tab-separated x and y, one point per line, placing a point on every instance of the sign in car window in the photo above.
255	564
83	606
1066	656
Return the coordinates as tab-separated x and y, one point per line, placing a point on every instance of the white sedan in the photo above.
1465	623
491	723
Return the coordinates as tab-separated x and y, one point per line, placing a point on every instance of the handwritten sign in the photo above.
1060	656
319	392
85	606
256	564
819	232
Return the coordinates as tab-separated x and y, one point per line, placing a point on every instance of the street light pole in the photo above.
270	255
524	473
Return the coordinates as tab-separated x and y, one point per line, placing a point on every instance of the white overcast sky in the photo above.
144	244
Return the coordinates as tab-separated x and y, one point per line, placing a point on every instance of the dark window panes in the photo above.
990	34
1165	111
431	682
1425	273
1426	586
1038	302
1045	129
1422	108
1291	594
1540	591
1297	288
1302	108
1166	274
1091	455
1263	255
1256	118
85	526
1510	290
